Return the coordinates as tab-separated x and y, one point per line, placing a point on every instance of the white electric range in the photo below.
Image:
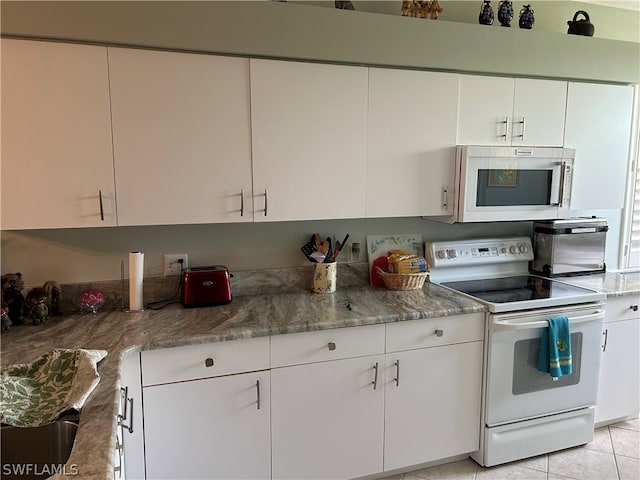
525	412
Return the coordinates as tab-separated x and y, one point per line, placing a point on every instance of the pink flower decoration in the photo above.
91	299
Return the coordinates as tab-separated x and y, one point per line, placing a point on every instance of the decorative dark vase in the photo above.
526	17
505	13
486	13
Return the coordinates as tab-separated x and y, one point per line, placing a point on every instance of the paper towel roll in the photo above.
136	275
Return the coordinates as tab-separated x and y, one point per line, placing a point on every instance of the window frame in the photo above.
629	257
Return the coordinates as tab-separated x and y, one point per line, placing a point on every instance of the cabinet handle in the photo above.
634	308
397	379
208	362
258	394
606	336
242	202
266	201
331	346
521	136
439	333
375	376
506	127
445	197
119	450
101	205
122	418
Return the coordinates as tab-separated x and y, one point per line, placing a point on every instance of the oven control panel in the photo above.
477	252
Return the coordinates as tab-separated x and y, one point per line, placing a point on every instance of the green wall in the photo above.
288	30
299	31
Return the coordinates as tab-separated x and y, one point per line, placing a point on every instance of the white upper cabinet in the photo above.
598	126
181	137
57	164
512	112
411	142
309	134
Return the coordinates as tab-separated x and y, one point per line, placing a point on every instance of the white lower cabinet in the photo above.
619	387
130	423
327	419
432	405
215	428
330	404
327	403
433	411
208	416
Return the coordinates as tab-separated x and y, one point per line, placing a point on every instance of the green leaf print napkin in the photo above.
37	393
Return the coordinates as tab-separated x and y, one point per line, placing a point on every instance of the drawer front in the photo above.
433	332
191	362
323	345
622	308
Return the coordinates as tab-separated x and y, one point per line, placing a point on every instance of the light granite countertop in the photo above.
247	316
614	284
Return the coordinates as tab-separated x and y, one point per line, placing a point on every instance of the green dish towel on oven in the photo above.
37	393
555	348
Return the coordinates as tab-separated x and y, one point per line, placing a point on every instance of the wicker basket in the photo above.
402	281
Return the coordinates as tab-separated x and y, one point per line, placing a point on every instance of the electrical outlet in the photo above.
172	263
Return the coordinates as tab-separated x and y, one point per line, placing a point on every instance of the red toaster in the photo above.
204	286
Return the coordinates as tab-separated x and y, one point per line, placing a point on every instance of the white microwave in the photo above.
493	184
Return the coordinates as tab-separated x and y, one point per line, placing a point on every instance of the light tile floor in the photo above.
614	454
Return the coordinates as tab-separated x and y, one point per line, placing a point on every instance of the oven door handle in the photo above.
514	325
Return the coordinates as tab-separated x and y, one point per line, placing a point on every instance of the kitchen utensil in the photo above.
329	254
316	239
340	247
317	257
308	248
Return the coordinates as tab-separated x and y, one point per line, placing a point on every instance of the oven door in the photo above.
501	183
516	389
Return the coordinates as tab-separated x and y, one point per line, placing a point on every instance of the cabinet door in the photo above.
132	438
411	142
57	165
309	140
485	110
619	387
181	138
215	428
507	111
327	419
538	113
598	126
433	410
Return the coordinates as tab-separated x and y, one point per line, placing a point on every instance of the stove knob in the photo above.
523	248
513	249
441	254
452	253
503	249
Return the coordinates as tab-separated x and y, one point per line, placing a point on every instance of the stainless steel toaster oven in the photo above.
574	246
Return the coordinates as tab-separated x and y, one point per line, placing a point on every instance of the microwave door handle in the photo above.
514	325
560	188
560	202
562	173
